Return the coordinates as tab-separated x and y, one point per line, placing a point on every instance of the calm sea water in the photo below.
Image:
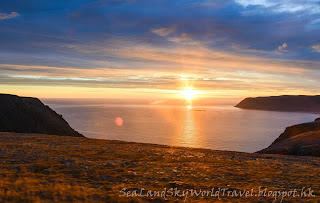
214	127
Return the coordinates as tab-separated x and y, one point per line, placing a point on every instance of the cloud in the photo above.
316	48
184	37
283	47
163	32
291	6
5	16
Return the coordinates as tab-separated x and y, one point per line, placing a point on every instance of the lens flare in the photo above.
119	121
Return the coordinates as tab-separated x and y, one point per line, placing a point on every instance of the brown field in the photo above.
43	168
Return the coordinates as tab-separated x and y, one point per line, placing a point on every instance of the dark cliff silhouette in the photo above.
30	115
294	103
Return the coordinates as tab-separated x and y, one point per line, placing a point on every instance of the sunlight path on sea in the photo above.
188	133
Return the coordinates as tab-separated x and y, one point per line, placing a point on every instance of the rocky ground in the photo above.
43	168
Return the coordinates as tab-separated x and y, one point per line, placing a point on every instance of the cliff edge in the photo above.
301	139
30	115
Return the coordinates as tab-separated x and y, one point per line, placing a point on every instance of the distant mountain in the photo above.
301	139
299	103
30	115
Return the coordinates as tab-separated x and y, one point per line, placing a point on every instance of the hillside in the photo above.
299	103
44	168
30	115
301	139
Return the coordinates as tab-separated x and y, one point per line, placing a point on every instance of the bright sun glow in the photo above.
189	93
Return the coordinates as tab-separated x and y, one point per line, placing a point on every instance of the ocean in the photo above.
218	127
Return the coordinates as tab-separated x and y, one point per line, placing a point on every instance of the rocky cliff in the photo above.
299	103
30	115
302	139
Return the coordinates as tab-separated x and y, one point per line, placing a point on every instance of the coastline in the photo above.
285	111
61	168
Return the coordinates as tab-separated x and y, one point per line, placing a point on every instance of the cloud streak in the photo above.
163	32
316	48
6	16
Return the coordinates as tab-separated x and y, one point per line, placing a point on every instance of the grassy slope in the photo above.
57	168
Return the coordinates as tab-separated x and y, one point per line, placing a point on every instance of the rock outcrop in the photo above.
299	103
301	139
30	115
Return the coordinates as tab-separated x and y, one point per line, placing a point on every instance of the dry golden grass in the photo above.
43	168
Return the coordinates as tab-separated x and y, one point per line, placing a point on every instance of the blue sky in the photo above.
150	47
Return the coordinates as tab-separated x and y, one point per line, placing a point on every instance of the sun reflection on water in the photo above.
187	132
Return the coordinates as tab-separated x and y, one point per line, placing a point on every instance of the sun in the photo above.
189	93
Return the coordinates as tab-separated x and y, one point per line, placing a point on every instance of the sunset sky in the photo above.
156	48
